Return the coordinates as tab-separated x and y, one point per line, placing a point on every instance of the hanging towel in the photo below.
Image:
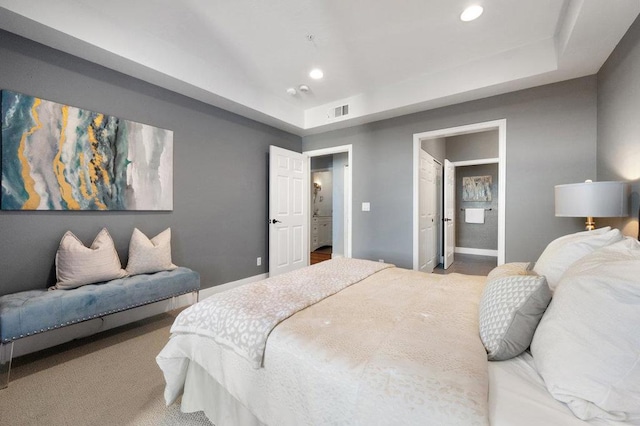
474	215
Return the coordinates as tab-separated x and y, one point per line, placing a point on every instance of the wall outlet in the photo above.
259	261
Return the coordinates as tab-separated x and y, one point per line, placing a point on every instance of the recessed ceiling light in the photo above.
471	13
316	74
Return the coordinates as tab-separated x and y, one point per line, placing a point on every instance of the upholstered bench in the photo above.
36	311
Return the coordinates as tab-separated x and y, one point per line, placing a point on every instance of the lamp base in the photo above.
590	224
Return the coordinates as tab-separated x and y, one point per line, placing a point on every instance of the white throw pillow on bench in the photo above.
78	265
147	256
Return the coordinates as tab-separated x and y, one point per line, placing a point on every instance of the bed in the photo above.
349	341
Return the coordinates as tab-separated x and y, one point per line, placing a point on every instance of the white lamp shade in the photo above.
595	199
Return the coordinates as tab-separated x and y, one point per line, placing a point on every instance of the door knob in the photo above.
446	219
274	221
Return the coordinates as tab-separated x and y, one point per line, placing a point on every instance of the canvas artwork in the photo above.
476	188
58	157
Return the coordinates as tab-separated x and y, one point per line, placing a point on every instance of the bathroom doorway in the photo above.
329	203
493	152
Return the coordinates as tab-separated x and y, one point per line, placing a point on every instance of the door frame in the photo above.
347	192
501	126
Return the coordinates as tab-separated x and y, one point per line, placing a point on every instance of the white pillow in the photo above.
510	269
77	265
587	345
148	256
562	252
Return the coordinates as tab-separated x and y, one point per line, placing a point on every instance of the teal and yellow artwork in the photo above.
59	157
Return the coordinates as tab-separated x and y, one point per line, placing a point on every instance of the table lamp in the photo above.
592	199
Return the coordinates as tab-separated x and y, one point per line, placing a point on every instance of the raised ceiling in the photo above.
383	58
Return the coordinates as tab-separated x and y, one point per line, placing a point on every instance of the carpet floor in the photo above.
110	378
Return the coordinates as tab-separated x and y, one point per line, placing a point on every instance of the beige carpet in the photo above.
107	379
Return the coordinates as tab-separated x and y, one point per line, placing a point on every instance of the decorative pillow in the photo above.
77	265
511	269
561	253
510	309
147	256
587	345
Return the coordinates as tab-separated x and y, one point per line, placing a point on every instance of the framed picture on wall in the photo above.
476	188
59	157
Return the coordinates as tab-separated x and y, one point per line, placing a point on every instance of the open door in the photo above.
427	252
449	213
288	210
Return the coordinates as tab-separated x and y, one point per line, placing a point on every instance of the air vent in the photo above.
338	112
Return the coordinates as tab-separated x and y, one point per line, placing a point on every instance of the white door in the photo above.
288	204
439	212
449	213
427	213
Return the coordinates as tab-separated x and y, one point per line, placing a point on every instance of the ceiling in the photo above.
383	58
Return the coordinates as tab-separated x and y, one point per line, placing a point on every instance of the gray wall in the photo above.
436	148
472	146
322	162
551	139
220	173
619	122
477	235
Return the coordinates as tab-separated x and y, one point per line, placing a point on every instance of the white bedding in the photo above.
399	347
366	355
518	396
243	318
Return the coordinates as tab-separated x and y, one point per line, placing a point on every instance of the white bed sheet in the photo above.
518	396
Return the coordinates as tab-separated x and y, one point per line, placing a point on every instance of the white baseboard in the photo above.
477	252
51	338
207	292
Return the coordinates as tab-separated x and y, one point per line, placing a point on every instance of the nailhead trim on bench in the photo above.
102	314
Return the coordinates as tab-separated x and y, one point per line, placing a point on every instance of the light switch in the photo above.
366	207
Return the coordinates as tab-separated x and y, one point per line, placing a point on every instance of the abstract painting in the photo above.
476	188
59	157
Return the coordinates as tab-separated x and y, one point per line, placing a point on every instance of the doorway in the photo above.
323	194
419	139
330	205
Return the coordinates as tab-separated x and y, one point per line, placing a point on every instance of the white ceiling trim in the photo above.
586	33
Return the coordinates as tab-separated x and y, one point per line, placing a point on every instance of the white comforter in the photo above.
399	347
243	318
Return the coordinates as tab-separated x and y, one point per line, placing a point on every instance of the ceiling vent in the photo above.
338	112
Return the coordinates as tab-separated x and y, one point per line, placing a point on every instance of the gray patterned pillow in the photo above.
510	310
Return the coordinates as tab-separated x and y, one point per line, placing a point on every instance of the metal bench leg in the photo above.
6	353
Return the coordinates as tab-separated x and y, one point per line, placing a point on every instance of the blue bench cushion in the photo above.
30	312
